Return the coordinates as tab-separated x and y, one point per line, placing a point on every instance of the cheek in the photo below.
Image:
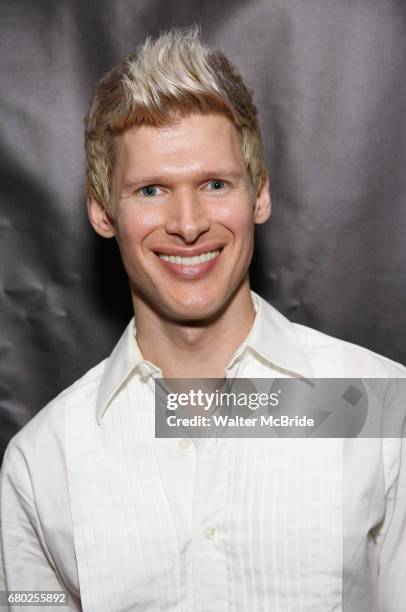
134	226
238	217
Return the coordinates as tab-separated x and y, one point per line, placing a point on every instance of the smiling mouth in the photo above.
190	261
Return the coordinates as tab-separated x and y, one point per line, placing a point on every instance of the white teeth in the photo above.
190	261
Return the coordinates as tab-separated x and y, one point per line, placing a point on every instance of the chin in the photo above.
190	310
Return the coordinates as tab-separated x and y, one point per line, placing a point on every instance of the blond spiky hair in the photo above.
174	75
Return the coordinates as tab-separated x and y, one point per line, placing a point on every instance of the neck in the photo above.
190	350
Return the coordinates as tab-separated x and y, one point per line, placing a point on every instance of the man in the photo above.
91	502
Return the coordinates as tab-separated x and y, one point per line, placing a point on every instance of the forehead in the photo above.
200	141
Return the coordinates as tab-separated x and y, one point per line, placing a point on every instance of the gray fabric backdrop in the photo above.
330	86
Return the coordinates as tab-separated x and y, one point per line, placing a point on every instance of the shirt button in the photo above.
210	533
184	443
144	369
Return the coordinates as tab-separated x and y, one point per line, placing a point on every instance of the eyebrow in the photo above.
196	177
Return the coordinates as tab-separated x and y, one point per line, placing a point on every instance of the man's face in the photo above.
184	214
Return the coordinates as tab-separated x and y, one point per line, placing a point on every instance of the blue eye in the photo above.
149	190
216	185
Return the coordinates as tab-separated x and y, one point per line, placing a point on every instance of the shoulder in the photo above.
46	430
333	356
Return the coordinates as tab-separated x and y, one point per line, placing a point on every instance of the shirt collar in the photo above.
272	336
124	359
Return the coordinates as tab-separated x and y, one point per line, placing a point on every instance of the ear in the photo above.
263	205
99	218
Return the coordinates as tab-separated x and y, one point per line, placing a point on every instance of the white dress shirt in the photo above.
93	503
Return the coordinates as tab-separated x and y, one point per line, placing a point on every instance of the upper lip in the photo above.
188	251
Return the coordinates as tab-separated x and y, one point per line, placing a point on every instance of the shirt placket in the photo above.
208	530
212	587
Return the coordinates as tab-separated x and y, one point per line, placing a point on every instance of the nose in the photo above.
187	217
